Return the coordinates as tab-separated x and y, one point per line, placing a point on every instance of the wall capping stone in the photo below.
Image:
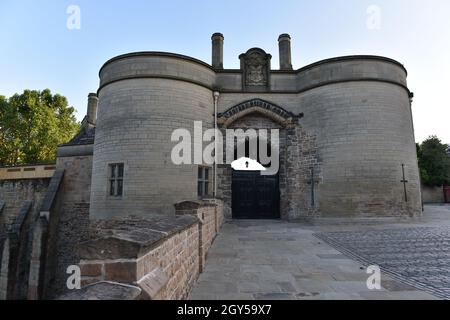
104	290
154	282
131	237
53	189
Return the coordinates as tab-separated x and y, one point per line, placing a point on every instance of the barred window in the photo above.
203	182
116	179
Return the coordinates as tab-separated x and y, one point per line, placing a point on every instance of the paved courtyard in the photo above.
281	260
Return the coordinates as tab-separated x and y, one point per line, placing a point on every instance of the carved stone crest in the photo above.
256	69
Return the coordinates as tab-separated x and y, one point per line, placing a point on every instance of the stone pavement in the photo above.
281	260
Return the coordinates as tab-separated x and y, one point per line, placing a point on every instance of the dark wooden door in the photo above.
255	196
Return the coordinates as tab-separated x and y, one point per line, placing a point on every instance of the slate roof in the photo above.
85	136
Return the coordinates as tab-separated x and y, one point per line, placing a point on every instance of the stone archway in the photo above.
297	156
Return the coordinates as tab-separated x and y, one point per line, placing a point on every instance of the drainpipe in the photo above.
216	99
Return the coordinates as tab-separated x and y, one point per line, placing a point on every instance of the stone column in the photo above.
284	44
217	50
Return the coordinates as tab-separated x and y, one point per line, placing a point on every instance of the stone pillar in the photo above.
284	44
92	108
217	50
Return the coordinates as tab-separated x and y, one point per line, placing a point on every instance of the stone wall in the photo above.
432	194
160	256
15	192
69	223
54	225
298	156
27	172
303	176
363	132
22	201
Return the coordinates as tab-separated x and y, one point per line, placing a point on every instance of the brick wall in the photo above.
167	271
160	255
210	215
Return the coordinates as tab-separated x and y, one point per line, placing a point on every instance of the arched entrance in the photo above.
255	193
286	195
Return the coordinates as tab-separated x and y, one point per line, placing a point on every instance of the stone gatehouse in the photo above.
345	129
346	149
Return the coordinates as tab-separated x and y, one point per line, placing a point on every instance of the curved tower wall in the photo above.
365	134
363	122
142	100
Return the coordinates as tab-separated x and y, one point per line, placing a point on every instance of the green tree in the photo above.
434	162
32	125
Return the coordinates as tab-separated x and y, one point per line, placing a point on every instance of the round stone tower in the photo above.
359	107
143	98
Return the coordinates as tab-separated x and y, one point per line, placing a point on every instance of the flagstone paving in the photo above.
261	260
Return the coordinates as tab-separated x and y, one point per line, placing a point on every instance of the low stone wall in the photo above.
14	193
44	171
161	256
432	194
20	201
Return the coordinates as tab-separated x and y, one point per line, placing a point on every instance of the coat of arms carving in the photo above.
256	67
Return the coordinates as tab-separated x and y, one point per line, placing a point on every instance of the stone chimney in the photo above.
284	44
217	50
92	108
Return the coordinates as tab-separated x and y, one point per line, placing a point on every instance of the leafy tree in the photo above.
32	125
434	162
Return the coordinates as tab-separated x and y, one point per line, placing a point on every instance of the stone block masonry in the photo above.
433	194
68	222
160	256
22	199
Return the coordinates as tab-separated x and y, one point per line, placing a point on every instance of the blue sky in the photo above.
38	51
